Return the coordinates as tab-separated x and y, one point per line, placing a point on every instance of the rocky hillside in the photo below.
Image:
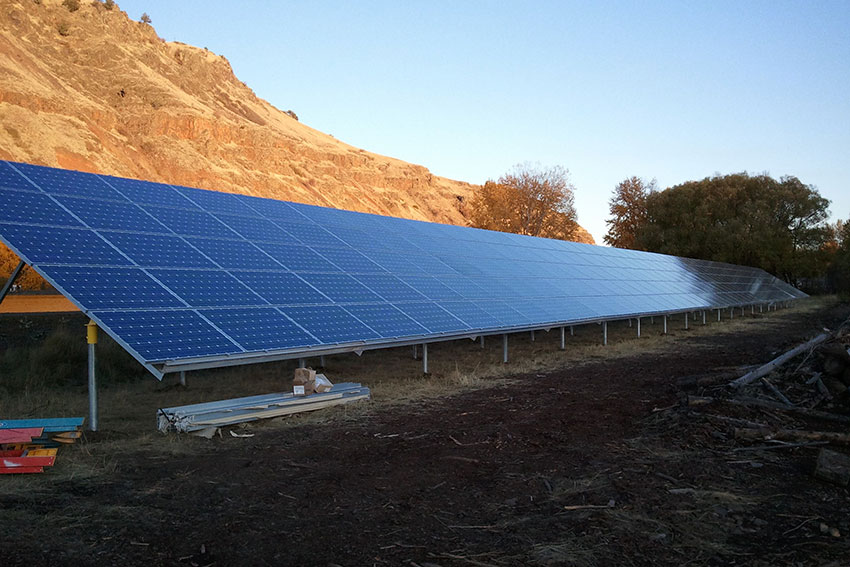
92	90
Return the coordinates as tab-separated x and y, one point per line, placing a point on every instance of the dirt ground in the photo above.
596	464
14	303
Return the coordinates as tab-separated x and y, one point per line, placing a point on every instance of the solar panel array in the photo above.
178	273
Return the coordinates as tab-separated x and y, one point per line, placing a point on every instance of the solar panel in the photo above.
183	276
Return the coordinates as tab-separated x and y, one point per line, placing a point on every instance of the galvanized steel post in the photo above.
505	348
8	285
482	341
91	337
572	331
425	358
532	336
563	338
718	315
604	333
415	356
182	377
665	325
686	321
322	361
703	316
638	326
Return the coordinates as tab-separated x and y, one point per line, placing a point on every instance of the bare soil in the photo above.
596	464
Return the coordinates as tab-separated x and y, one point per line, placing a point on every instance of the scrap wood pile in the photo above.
799	399
29	445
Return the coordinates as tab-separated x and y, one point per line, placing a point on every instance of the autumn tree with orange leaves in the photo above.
529	199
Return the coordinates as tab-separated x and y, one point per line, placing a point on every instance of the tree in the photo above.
839	269
777	225
145	19
529	199
628	211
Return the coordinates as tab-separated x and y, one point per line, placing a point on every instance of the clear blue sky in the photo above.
672	90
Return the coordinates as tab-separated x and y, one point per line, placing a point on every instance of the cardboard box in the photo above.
304	382
323	384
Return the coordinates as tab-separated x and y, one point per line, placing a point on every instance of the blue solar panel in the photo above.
216	202
386	320
112	215
259	328
112	288
163	335
154	250
297	258
235	254
45	245
207	288
330	324
65	182
11	179
257	229
350	261
389	287
433	317
36	208
177	273
281	288
341	288
191	223
149	193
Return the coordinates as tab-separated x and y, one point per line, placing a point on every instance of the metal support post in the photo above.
752	309
482	341
425	358
665	324
638	326
731	313
8	285
322	361
415	354
630	323
532	336
572	331
563	339
604	333
182	377
91	337
652	320
761	307
505	348
686	321
703	316
302	363
742	311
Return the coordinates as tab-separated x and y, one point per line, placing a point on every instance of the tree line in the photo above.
779	225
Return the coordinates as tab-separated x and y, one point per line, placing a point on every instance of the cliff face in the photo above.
93	90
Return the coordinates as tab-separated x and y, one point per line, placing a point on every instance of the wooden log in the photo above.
833	467
777	362
776	391
792	435
695	401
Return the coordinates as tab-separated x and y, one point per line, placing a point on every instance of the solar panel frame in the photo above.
406	282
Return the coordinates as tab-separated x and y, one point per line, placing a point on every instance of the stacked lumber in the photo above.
30	445
212	415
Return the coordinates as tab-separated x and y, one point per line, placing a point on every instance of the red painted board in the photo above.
12	453
18	470
20	435
10	462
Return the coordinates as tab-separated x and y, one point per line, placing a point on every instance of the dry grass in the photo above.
128	408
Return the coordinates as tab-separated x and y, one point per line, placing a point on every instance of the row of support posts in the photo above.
91	337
